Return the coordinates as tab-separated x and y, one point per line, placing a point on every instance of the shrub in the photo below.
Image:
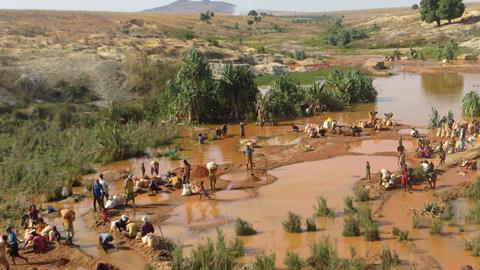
319	97
351	86
178	261
349	208
365	215
300	55
264	262
184	34
402	235
293	261
213	41
293	224
311	226
362	194
471	104
415	6
473	191
371	232
351	226
322	210
388	258
474	214
448	212
322	254
416	221
447	51
473	245
243	228
436	226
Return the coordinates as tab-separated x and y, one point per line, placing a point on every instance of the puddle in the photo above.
231	195
284	140
369	147
295	190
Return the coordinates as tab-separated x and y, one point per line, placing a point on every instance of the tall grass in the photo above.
473	191
293	224
436	226
293	261
471	104
323	254
361	195
473	245
349	208
388	258
243	228
322	209
264	262
310	224
351	226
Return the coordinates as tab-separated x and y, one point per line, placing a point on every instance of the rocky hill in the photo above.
187	6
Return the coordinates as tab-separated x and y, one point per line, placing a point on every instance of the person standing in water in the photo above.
213	179
442	156
249	156
143	170
129	190
186	172
242	130
368	176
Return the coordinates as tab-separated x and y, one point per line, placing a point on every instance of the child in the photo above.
203	191
54	235
367	172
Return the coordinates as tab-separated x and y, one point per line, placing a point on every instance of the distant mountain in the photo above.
187	6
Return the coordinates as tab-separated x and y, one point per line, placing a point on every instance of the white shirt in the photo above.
104	183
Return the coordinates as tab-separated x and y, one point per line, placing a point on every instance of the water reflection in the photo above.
443	84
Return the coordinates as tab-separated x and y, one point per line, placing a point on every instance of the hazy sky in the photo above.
137	5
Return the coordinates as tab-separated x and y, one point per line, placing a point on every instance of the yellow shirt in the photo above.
129	185
132	229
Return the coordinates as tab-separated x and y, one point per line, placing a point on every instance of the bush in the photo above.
322	210
351	87
371	232
243	228
473	191
447	213
362	195
416	221
349	208
389	258
319	97
471	104
184	34
474	214
415	6
300	55
323	255
293	224
213	41
402	235
473	245
341	36
293	261
310	224
351	226
264	262
447	51
436	226
178	261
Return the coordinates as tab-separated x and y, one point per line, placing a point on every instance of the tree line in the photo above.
193	95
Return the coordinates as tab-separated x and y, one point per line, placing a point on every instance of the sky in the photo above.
244	5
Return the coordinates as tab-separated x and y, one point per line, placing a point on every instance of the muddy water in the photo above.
295	190
411	96
447	249
369	147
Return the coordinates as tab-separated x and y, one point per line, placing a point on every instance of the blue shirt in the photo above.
249	152
97	190
12	238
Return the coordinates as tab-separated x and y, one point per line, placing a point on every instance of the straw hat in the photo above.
124	218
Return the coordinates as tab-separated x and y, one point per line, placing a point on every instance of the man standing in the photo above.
242	130
368	176
68	217
249	155
442	156
13	245
97	192
129	190
104	184
186	172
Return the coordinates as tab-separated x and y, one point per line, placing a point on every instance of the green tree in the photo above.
285	98
238	90
451	9
351	86
207	16
415	6
429	11
253	13
191	95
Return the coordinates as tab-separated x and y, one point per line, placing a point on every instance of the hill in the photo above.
187	6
